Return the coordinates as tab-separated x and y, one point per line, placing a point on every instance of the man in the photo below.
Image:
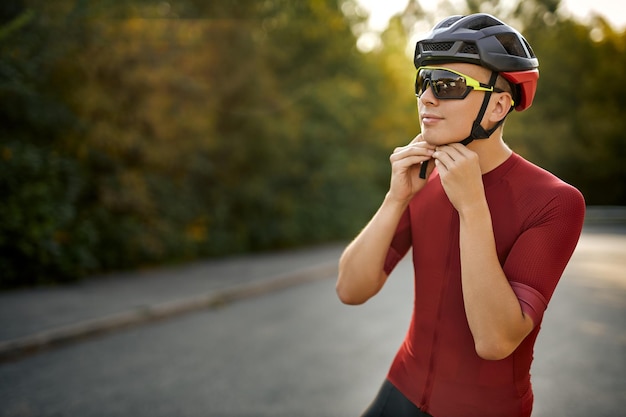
490	232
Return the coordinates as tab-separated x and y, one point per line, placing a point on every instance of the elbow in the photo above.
346	290
494	351
351	291
496	345
356	287
348	297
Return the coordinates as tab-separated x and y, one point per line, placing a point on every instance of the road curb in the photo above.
14	349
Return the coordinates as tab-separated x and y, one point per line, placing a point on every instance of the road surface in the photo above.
298	352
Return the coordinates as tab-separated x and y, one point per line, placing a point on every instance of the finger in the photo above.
412	144
441	167
456	150
442	155
408	160
415	140
420	154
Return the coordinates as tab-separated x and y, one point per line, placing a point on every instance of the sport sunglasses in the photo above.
448	84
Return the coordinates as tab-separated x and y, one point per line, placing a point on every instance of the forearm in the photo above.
493	311
361	267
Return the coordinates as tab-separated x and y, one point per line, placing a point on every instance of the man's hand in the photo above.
405	166
460	174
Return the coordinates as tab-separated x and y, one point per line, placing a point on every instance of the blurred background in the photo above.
137	133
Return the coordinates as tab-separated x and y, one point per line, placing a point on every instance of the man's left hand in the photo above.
460	174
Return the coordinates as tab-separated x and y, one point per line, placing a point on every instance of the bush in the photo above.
42	238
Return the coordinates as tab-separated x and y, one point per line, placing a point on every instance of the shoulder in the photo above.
538	179
546	192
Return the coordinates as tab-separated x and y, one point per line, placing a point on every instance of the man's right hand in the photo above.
406	162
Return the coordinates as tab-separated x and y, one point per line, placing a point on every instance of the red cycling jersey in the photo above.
537	221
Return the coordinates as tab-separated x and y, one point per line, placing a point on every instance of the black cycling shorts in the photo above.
392	403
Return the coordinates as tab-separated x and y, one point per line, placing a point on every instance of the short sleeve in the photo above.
532	302
540	254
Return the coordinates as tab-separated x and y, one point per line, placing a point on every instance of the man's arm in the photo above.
361	267
493	311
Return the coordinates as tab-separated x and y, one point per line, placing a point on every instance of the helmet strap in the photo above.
478	132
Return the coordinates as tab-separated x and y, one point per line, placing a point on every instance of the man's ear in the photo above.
502	107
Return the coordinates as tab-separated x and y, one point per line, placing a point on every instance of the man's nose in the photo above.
428	94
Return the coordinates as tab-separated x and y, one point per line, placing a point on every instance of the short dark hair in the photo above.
504	84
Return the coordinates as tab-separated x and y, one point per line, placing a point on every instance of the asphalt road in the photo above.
298	352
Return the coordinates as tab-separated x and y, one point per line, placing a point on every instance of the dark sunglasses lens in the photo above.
446	84
421	82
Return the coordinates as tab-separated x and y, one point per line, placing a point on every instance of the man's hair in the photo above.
503	84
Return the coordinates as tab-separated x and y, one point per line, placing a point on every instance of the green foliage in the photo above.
146	133
142	132
41	237
574	127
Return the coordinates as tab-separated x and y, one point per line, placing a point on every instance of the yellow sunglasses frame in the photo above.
470	82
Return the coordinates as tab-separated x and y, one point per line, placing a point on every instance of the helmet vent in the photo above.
483	21
449	22
530	50
512	44
469	48
437	46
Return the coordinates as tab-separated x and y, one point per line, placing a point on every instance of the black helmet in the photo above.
483	40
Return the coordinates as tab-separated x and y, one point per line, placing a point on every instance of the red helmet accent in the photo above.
526	82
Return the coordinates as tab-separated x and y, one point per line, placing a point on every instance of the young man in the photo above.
490	232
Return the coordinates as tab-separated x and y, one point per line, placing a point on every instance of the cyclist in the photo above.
490	232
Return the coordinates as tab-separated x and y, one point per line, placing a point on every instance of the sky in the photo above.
613	10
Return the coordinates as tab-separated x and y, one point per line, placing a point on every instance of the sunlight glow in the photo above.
614	11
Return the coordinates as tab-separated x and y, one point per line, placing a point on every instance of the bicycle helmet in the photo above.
486	41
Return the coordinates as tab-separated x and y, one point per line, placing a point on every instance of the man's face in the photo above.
450	121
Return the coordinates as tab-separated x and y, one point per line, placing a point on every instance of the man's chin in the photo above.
439	140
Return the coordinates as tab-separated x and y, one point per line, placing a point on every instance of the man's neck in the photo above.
492	152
